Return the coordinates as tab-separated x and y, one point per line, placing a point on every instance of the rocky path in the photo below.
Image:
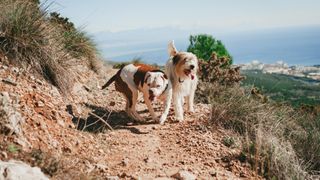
58	143
161	151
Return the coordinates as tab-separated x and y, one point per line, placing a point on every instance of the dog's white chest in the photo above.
185	87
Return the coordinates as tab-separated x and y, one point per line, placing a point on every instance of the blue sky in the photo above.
227	15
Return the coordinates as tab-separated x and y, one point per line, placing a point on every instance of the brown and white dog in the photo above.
182	71
152	82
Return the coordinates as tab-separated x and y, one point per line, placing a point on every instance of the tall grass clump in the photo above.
28	40
280	142
49	44
76	41
268	132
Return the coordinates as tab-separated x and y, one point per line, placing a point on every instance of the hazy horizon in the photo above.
125	29
296	46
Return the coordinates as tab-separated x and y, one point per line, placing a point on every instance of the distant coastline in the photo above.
296	46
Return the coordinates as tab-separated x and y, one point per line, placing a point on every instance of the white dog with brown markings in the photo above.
182	71
152	82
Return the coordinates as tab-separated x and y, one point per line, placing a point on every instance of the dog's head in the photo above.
185	63
156	82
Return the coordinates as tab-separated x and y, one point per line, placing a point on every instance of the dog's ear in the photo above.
145	78
172	49
164	76
176	59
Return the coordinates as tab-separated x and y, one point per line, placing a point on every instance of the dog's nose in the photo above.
191	66
150	92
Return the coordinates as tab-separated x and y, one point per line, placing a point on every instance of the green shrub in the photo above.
203	45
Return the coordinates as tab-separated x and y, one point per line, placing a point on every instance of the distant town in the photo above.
281	67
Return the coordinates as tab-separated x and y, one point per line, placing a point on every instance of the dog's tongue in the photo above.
192	76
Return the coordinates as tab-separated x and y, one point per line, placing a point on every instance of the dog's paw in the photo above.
191	109
179	118
161	121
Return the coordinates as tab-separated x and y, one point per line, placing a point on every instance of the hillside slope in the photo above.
62	136
280	87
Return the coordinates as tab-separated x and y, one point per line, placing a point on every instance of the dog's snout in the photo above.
150	92
191	66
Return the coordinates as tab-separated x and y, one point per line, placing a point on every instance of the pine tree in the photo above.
203	45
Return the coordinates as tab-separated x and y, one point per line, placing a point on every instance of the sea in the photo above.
293	45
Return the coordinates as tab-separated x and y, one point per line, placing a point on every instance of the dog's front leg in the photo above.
190	105
133	106
190	98
166	107
178	109
150	108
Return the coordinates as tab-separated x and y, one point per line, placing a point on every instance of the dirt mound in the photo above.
64	136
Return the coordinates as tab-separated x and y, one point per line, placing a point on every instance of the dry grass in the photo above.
275	141
278	141
76	41
29	39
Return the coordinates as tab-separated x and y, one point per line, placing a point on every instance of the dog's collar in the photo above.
180	81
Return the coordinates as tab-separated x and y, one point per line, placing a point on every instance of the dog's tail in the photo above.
113	78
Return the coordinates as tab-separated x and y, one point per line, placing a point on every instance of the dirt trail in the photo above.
134	150
149	150
161	151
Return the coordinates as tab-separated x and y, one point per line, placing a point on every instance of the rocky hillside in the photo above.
67	137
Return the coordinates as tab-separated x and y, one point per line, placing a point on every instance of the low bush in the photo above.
279	141
215	74
267	131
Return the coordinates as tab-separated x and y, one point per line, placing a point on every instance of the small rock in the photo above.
213	173
40	104
125	162
184	175
15	70
129	124
147	160
242	174
87	88
4	155
39	82
112	103
112	178
226	159
9	81
102	167
20	170
61	122
123	175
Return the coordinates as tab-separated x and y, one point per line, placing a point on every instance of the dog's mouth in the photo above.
152	97
187	72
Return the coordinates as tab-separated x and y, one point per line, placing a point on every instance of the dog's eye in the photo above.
158	86
149	84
